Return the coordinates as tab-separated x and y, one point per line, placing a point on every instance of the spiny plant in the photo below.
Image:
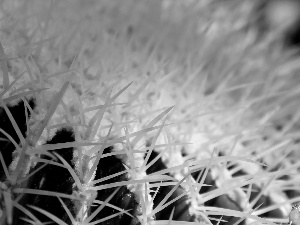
111	115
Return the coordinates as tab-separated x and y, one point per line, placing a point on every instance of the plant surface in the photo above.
146	112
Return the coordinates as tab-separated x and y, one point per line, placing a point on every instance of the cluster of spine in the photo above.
86	203
47	184
50	175
43	180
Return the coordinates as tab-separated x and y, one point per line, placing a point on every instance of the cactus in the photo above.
145	112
